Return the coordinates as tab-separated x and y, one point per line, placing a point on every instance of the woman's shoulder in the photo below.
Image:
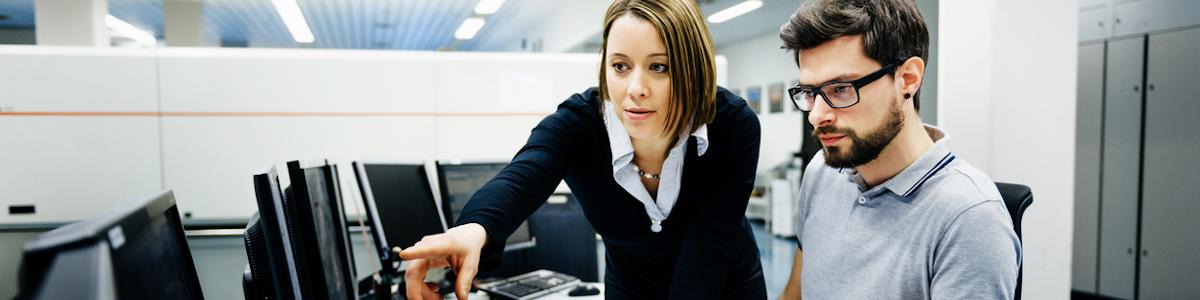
579	108
580	104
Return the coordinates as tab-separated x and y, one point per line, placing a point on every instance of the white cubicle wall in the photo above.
86	128
89	138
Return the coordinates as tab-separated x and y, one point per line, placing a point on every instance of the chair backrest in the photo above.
1017	198
565	243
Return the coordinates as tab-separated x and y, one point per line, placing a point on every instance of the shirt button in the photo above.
862	200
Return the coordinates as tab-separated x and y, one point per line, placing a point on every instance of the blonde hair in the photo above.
690	56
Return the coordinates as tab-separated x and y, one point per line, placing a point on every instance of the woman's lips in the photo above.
638	114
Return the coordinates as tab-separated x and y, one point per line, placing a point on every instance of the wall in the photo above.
758	61
1007	97
202	120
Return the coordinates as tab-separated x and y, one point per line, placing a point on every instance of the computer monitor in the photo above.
135	251
319	236
399	205
459	180
271	271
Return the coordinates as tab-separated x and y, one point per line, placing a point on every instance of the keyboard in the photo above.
529	285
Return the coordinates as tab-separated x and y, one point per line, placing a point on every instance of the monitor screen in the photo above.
135	251
148	264
461	180
401	203
318	231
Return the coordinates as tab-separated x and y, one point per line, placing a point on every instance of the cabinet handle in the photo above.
1151	87
1136	88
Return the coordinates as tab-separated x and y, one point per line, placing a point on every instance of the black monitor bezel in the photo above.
372	213
306	233
107	230
444	194
269	194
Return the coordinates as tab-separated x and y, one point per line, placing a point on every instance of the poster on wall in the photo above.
754	98
775	97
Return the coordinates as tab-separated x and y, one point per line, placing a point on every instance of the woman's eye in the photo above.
620	67
659	68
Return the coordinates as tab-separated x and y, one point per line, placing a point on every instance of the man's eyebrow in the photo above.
845	77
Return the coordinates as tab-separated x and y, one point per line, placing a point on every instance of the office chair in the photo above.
566	241
1017	198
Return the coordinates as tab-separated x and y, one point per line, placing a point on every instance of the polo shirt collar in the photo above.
916	174
935	159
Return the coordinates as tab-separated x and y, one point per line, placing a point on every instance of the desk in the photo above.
561	295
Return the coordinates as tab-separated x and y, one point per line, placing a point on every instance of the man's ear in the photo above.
910	75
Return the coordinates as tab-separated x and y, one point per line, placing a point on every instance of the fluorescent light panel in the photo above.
487	7
127	30
734	11
469	28
289	11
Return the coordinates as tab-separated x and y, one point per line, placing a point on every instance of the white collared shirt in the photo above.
627	177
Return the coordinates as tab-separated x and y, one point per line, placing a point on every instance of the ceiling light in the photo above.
487	7
734	11
289	11
127	30
469	28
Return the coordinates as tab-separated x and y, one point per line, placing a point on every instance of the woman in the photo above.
660	159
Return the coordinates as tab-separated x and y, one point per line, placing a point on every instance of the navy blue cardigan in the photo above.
705	250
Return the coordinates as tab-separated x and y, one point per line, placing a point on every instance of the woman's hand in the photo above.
458	248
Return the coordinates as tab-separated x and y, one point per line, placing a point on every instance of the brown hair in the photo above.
893	30
690	56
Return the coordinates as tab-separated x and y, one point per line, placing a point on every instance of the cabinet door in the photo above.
1120	156
1171	171
1088	118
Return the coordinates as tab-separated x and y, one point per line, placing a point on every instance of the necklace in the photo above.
644	174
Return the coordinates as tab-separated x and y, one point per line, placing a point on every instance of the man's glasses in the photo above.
840	94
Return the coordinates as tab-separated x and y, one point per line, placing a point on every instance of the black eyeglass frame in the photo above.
857	84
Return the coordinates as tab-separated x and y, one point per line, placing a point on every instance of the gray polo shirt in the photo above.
937	230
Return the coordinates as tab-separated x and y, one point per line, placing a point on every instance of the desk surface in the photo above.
561	295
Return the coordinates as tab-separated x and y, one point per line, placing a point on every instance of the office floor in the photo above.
776	254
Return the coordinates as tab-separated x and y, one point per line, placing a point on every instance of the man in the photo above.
886	210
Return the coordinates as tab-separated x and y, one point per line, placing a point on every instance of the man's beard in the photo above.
861	150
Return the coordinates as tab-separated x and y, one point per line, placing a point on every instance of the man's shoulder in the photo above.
961	187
